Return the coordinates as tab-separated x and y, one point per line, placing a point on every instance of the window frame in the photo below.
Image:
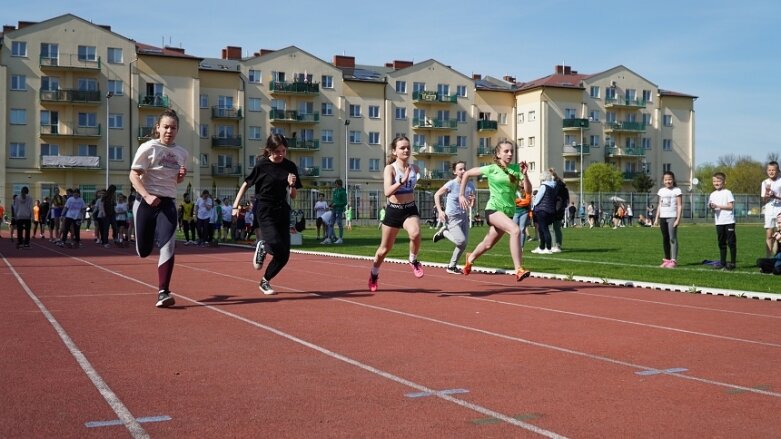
15	82
16	45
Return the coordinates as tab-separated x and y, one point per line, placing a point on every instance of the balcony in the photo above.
310	171
441	150
69	130
614	151
92	97
153	101
292	116
484	151
571	175
432	97
623	102
68	61
294	144
633	127
439	174
226	142
435	124
631	175
70	162
574	150
226	113
226	171
145	133
294	88
487	125
574	124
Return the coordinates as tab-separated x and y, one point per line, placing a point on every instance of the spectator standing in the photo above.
44	214
203	208
320	207
338	205
771	196
188	220
72	215
23	213
668	216
544	208
722	202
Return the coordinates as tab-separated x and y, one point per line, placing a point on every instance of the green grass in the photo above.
630	253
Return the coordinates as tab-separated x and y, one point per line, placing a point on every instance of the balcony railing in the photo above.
439	174
575	150
226	171
569	175
624	102
226	142
303	144
484	151
226	113
635	151
70	61
153	101
574	124
311	171
295	88
293	116
69	130
631	175
625	126
71	96
487	125
145	132
433	97
445	124
70	161
438	149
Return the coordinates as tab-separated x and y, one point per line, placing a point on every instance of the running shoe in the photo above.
454	270
439	235
259	255
165	299
417	269
665	263
521	274
339	241
265	287
467	265
373	282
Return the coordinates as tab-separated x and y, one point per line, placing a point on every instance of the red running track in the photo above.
443	356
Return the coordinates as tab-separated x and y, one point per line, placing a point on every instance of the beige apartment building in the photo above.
79	99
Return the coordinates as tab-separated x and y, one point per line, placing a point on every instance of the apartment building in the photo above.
79	99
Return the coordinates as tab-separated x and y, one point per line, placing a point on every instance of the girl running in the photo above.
455	218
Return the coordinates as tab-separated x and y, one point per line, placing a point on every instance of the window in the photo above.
461	141
374	111
327	81
610	117
520	142
418	140
569	139
610	93
116	87
646	119
114	55
667	167
484	142
327	109
570	113
419	114
594	141
594	91
254	76
327	163
593	115
401	87
306	107
251	161
302	77
204	160
668	120
278	76
18	116
531	142
418	87
49	122
255	133
88	120
253	104
327	136
87	53
647	96
374	138
667	144
443	141
225	102
50	51
461	91
84	150
646	142
18	82
401	113
374	165
49	149
443	90
203	130
115	121
203	101
115	153
570	165
225	131
88	84
461	116
355	164
630	94
17	150
306	162
355	110
520	118
355	136
19	48
532	116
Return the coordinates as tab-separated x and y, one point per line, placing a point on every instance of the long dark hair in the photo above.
392	155
670	173
273	142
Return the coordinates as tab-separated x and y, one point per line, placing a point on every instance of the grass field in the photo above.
631	253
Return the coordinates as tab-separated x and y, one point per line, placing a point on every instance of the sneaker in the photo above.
439	235
265	287
373	282
546	251
555	249
538	250
671	264
417	269
521	274
339	241
730	266
187	242
164	299
665	263
467	265
259	255
719	266
326	241
454	270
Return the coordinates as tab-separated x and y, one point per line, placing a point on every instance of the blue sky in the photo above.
727	53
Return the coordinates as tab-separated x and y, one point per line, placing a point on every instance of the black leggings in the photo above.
274	222
157	224
725	233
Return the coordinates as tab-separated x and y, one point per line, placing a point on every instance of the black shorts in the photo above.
396	214
319	221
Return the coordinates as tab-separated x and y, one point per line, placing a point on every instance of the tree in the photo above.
602	177
643	183
772	157
744	174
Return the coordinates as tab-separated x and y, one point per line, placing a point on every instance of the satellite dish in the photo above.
695	181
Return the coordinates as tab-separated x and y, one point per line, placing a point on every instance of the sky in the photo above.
727	53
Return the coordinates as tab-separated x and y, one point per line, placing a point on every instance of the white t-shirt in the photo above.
668	202
227	212
159	166
73	206
775	186
722	198
204	208
320	208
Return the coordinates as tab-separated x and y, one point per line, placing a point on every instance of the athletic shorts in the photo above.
396	214
319	221
771	212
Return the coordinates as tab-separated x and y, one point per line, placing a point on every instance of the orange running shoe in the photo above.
467	265
521	274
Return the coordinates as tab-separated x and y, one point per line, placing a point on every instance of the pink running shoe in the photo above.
672	264
417	269
373	282
665	263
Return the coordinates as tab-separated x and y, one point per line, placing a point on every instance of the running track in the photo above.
84	353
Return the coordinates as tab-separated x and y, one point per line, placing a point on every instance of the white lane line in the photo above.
128	420
466	404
